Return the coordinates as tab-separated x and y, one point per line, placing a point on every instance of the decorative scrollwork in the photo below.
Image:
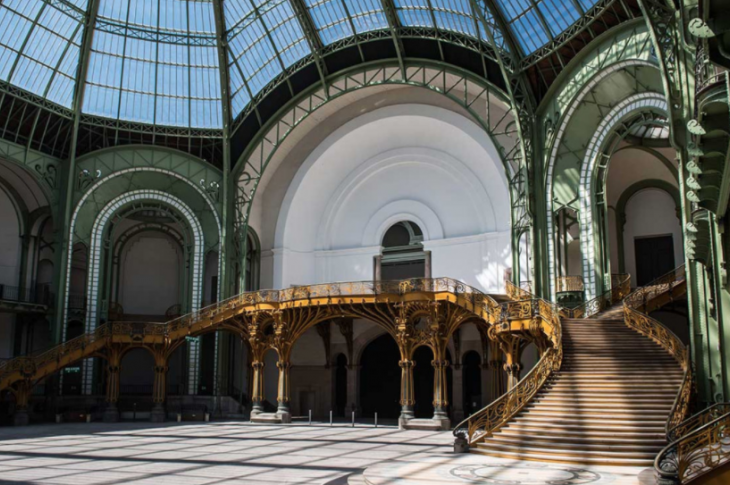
484	423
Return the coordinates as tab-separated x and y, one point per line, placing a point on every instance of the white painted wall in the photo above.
628	166
9	242
408	162
651	212
150	274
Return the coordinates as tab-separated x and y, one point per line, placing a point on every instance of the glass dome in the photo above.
157	62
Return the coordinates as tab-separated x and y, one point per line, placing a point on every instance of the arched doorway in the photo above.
472	382
423	382
380	379
340	385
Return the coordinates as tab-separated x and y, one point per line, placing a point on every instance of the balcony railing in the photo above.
38	294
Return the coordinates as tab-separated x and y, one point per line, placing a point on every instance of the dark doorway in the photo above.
341	385
72	373
380	379
654	258
472	383
423	382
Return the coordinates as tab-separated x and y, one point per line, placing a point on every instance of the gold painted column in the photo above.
282	396
407	400
111	413
257	391
159	389
440	391
513	374
22	393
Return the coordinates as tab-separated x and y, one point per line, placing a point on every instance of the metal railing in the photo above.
620	287
39	294
699	445
479	302
573	283
636	307
486	421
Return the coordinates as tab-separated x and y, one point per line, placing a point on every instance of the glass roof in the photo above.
156	61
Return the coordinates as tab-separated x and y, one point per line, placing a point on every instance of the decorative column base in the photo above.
257	408
406	414
111	413
440	416
283	412
158	413
21	418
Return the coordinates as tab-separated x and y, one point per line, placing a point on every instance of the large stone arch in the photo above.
431	165
95	260
601	146
625	51
484	103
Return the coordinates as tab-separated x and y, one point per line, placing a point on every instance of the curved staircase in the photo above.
607	405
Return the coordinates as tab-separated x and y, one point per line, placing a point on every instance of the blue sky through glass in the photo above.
156	61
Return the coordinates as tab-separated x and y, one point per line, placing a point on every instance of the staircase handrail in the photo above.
635	304
517	293
481	303
698	420
620	287
570	283
486	421
699	451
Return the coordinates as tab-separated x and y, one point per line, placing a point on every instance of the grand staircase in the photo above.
607	405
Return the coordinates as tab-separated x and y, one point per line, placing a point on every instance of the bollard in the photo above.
353	419
310	417
134	412
330	418
88	418
207	417
59	418
179	417
376	420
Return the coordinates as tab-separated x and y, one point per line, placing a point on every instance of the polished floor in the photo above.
242	453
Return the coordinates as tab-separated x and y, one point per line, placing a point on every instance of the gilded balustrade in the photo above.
304	307
570	283
545	317
620	288
702	445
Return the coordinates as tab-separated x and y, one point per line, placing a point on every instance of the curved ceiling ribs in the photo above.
155	69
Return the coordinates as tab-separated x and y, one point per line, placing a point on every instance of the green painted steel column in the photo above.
62	217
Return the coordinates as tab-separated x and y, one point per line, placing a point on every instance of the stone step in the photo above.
556	448
268	418
587	460
604	405
654	426
571	433
633	415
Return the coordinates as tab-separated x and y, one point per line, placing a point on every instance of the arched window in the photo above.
402	255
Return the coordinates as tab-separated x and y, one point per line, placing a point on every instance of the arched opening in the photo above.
423	374
340	385
380	377
652	236
569	259
423	382
271	381
472	382
402	255
151	269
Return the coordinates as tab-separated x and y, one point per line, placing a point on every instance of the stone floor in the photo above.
234	452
